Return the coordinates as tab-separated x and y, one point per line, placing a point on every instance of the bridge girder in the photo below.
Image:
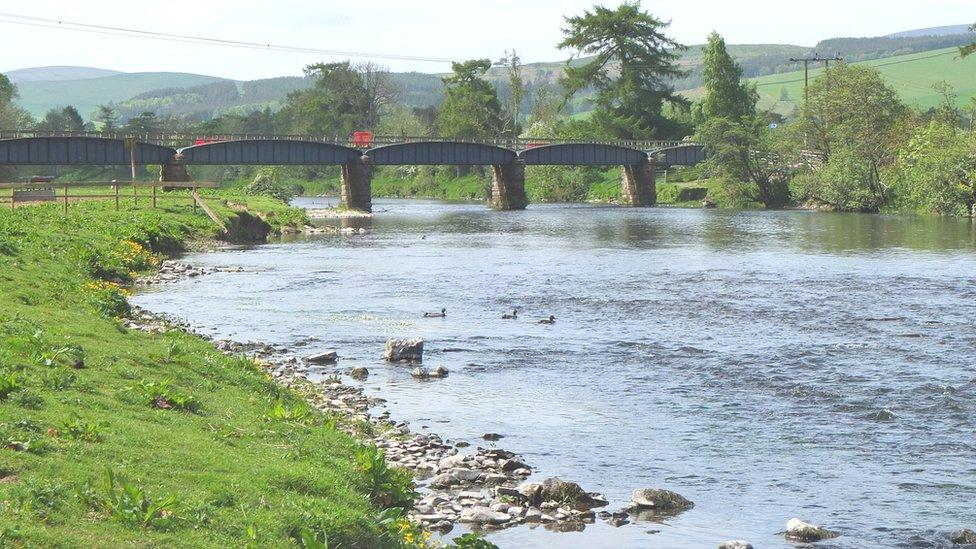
582	154
681	155
269	152
447	153
78	151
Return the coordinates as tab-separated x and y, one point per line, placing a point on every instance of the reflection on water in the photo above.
763	364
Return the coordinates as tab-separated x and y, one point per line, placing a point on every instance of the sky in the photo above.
439	29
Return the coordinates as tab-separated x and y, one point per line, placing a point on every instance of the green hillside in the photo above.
912	76
85	95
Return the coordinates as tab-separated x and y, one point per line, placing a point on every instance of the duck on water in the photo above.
441	314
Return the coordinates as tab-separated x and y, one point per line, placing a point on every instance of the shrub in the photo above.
9	382
75	429
281	411
386	486
159	394
129	504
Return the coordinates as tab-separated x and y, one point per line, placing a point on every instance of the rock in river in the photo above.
483	515
963	537
653	499
799	530
404	350
735	544
359	373
325	357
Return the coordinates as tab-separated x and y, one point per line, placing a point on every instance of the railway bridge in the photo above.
506	158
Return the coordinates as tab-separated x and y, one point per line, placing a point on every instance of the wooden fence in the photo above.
61	191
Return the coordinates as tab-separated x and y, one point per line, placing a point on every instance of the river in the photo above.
764	365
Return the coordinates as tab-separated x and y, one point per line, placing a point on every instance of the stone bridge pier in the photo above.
639	186
357	177
508	186
174	170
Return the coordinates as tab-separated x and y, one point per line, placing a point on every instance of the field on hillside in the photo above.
86	95
912	76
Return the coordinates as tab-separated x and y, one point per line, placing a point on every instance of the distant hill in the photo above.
85	95
48	74
932	31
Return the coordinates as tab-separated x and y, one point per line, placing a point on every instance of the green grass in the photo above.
89	454
912	76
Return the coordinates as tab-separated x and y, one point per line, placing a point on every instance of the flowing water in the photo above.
764	365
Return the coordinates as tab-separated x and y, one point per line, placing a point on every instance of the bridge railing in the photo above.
179	139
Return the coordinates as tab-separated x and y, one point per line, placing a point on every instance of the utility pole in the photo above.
806	81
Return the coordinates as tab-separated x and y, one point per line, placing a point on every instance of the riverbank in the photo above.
115	436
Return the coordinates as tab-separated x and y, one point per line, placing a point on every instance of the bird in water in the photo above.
550	320
512	316
441	314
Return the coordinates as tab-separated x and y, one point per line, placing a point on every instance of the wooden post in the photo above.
116	187
154	196
193	194
66	198
131	141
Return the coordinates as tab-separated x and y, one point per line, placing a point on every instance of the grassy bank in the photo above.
112	437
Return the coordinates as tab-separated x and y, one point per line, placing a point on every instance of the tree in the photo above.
745	150
513	66
969	49
853	121
936	171
726	96
345	98
107	117
64	119
471	109
631	45
146	122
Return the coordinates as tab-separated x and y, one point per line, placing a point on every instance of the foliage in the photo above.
726	96
968	49
74	428
64	119
10	381
159	394
387	486
471	540
267	183
106	118
128	503
853	123
282	411
631	43
745	150
936	171
471	109
343	99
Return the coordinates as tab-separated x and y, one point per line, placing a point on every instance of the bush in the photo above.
129	504
266	183
387	487
161	395
9	382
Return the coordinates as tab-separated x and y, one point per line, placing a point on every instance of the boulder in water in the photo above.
404	350
735	544
963	537
654	499
325	357
798	530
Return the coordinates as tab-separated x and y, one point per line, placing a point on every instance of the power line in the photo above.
899	62
27	20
